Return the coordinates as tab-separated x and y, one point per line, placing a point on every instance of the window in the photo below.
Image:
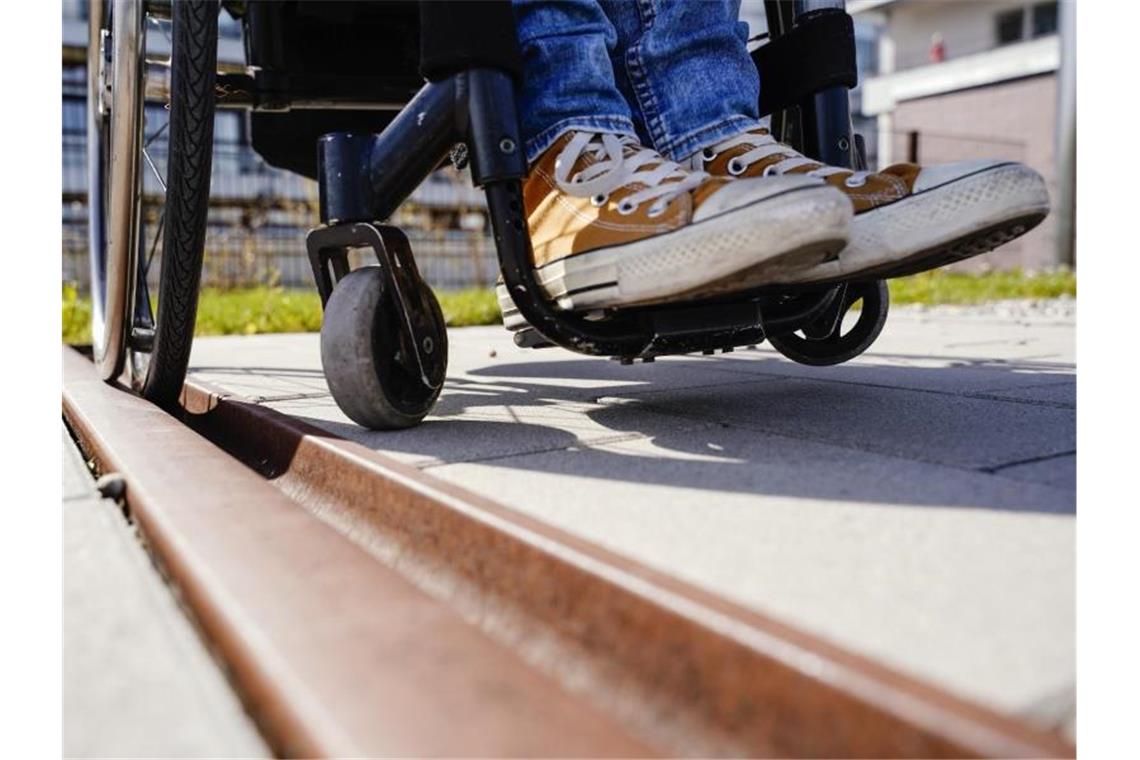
1010	25
1044	19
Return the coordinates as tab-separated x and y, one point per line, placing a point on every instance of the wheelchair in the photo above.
333	92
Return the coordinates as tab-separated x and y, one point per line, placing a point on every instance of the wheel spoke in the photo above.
153	168
154	243
156	135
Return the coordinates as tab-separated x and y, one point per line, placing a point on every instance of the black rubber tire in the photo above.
193	72
358	343
836	350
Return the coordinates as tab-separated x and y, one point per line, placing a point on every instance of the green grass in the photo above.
941	287
248	311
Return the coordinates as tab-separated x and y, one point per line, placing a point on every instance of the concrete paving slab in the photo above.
971	433
932	373
77	480
913	504
137	680
1059	472
1061	394
897	561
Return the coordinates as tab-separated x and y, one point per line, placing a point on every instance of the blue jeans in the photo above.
676	73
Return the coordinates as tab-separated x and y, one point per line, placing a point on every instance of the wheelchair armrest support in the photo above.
818	52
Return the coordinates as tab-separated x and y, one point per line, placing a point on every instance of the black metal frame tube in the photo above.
364	178
413	145
826	116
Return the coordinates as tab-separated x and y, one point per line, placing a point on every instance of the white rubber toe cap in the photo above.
743	192
940	174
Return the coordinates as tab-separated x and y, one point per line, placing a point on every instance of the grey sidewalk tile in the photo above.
1057	472
852	500
470	426
580	378
931	427
964	337
257	384
952	375
962	578
137	681
1060	394
725	459
77	480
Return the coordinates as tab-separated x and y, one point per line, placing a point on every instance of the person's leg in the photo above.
694	93
908	218
684	67
568	79
613	222
693	89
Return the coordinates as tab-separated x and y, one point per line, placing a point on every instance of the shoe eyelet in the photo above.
859	183
708	154
769	170
735	168
600	199
656	210
626	208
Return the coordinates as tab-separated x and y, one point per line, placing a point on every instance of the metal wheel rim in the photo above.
113	140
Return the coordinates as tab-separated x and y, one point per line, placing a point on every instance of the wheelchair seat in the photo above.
328	50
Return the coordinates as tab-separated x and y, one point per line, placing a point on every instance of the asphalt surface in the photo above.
916	505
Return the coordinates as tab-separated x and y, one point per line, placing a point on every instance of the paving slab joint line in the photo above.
993	469
668	653
1026	401
578	444
656	408
884	386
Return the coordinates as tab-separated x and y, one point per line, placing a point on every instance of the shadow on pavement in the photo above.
878	433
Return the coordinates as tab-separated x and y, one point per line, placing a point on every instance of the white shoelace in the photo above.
764	146
620	161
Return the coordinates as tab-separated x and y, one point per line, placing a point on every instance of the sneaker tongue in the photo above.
764	132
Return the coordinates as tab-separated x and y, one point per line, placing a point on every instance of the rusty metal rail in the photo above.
333	654
335	583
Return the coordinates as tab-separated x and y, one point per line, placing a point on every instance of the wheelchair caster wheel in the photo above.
824	342
376	376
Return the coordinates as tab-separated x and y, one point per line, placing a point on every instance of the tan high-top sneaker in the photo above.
613	223
907	218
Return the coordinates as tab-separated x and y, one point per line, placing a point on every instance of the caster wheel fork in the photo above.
384	339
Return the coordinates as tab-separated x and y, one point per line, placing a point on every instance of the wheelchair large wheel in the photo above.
150	151
366	356
831	339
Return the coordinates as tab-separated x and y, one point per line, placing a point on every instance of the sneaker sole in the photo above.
742	248
949	223
761	275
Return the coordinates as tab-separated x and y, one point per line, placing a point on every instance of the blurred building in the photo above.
259	214
940	80
960	79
